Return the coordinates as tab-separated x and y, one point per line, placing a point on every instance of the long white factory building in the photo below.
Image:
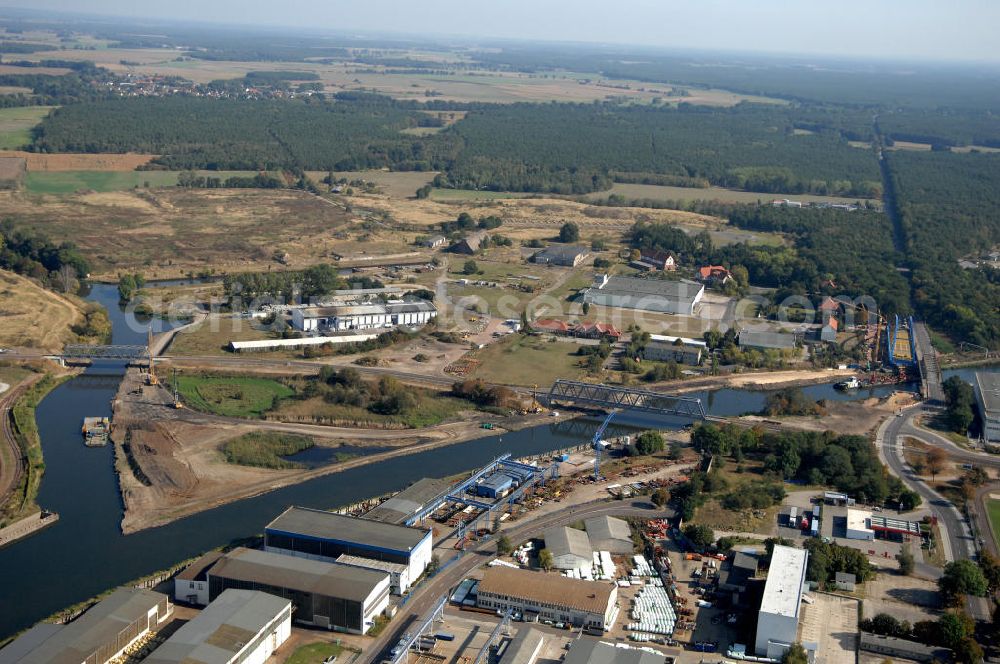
781	606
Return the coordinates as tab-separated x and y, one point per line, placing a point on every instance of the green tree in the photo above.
660	497
569	232
470	267
991	570
545	560
700	535
962	577
504	546
795	655
906	561
959	401
649	442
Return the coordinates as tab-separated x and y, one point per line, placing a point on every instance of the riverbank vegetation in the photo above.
264	449
231	396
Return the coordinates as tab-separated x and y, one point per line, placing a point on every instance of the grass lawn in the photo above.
314	653
16	124
212	337
993	511
529	360
431	408
231	396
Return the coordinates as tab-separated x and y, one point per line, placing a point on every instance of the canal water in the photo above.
85	553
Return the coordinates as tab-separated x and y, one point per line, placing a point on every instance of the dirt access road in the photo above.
11	473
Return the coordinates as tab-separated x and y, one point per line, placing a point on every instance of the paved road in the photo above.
423	599
957	539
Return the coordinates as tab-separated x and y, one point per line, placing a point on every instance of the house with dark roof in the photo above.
566	255
714	275
654	259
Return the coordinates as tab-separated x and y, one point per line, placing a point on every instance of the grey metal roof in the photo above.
586	651
563	541
99	626
302	574
988	387
776	340
679	289
368	309
222	630
841	577
745	561
913	650
524	648
196	570
410	500
369	563
607	527
564	251
337	527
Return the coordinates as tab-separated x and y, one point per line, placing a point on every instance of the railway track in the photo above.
10	477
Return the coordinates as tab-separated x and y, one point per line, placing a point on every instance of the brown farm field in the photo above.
170	232
32	316
80	162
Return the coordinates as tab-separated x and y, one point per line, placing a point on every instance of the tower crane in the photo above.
597	443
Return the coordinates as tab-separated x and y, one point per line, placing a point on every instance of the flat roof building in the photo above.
586	651
742	568
567	255
988	399
664	348
337	597
858	525
319	535
767	340
100	635
523	648
606	533
239	626
399	578
672	297
409	501
363	316
570	548
495	486
780	608
549	597
191	585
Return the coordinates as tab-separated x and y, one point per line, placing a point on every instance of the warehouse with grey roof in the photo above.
672	297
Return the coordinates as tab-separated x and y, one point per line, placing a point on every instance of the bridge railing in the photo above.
607	396
109	352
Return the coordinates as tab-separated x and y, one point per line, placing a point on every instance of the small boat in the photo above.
851	383
95	431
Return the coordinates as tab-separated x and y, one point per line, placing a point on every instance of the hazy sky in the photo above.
931	29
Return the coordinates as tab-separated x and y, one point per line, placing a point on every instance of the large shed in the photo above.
606	533
570	548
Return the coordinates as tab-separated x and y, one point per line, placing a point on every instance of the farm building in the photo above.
858	527
607	533
566	255
540	596
672	297
434	241
663	348
326	536
469	244
570	548
780	608
988	399
410	500
338	597
653	259
191	585
363	316
98	636
767	340
239	626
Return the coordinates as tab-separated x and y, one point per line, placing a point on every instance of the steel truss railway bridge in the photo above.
609	397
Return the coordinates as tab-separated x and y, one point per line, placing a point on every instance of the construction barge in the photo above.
96	431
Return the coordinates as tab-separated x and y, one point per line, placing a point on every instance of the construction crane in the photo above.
151	376
597	443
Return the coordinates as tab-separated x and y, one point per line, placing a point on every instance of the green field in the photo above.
264	449
16	124
68	182
314	653
528	360
231	396
993	510
664	193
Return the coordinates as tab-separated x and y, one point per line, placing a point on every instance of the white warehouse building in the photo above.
672	297
780	608
363	316
988	399
859	525
242	626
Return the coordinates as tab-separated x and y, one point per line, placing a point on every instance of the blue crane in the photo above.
597	443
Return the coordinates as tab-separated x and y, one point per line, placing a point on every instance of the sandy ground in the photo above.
38	161
4	387
848	417
176	468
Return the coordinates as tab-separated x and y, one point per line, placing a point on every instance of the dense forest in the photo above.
573	148
942	128
354	132
34	255
947	205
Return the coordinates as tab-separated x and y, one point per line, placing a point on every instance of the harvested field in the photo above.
11	171
170	232
80	162
664	193
33	317
47	71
